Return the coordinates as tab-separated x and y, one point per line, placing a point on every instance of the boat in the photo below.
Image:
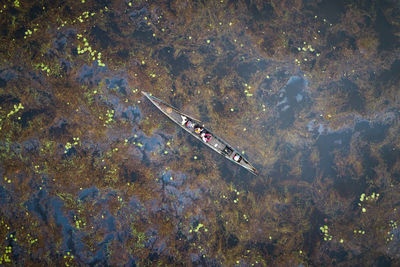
196	128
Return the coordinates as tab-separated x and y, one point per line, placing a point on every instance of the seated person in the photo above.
206	136
184	119
189	124
198	129
237	157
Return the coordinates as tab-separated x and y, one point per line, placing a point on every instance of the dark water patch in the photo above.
90	193
176	64
291	100
341	40
367	21
144	35
232	173
177	101
348	187
331	10
233	3
260	12
20	33
110	223
259	187
153	256
4	31
189	83
102	37
35	11
137	14
228	45
355	100
386	32
35	205
113	23
372	132
152	236
329	143
227	171
388	77
393	246
207	79
99	259
123	54
90	75
265	94
338	256
232	241
390	155
247	69
223	66
367	5
173	178
66	66
28	115
312	236
60	42
396	176
3	83
267	249
218	106
282	75
7	75
69	153
31	144
47	207
132	176
348	94
66	11
5	196
315	128
369	162
99	4
197	259
150	144
204	112
15	147
269	44
117	84
281	171
59	129
52	207
382	261
9	100
137	205
70	240
45	99
13	11
310	64
308	171
209	54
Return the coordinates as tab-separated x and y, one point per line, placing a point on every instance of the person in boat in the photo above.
184	119
198	129
206	136
237	157
189	124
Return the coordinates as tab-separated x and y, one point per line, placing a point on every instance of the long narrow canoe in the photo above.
197	129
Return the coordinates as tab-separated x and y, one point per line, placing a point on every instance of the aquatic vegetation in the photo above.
90	174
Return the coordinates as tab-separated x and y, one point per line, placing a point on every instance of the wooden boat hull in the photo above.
205	136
